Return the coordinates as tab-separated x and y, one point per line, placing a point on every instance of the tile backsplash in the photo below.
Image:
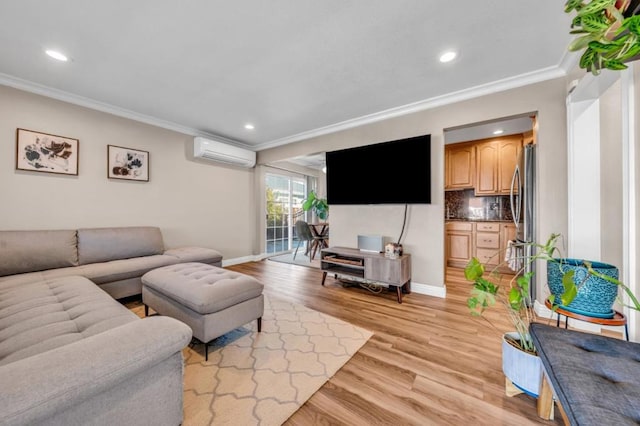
465	205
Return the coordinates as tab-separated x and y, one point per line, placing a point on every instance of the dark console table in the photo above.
369	266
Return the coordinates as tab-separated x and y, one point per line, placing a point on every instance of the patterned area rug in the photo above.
262	378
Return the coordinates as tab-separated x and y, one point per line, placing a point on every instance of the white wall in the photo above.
425	230
611	188
193	202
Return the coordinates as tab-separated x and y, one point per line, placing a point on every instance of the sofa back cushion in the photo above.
105	244
30	251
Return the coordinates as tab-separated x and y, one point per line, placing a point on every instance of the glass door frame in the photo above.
289	207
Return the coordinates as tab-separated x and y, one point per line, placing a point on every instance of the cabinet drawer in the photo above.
487	240
488	226
488	256
459	226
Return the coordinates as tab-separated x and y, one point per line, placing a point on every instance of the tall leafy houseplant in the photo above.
318	205
608	32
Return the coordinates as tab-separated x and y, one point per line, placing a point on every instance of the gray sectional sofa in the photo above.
69	352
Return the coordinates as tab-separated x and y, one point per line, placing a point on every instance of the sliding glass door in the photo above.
284	206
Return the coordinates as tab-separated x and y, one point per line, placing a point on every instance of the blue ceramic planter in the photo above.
595	295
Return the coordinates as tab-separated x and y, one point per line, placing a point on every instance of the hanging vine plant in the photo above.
609	33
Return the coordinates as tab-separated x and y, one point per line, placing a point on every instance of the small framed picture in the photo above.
127	163
43	152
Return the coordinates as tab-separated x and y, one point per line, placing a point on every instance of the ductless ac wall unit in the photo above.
223	152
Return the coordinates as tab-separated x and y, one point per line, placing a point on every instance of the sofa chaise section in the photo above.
71	354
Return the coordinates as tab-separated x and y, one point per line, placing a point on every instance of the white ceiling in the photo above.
293	68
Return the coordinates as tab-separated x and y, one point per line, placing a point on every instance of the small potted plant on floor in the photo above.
520	362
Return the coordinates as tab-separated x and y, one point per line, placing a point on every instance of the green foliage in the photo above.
275	209
318	205
609	38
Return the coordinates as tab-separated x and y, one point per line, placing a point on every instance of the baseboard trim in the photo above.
429	289
243	259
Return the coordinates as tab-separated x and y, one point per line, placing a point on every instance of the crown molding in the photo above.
450	98
39	89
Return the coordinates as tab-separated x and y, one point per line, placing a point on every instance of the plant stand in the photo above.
618	320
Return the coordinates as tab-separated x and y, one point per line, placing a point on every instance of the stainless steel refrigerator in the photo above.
523	208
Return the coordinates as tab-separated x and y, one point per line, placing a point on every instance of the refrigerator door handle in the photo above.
515	212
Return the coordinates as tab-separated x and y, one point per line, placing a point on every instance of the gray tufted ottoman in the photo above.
210	300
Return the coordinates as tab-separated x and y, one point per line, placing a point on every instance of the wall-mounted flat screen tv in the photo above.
395	172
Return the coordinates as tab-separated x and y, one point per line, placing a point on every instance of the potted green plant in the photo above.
316	204
609	32
520	362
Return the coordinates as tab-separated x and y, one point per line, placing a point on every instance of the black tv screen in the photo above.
396	172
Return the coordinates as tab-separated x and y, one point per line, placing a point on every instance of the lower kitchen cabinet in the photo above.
485	240
459	243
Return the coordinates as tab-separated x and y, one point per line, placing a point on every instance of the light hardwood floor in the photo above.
428	363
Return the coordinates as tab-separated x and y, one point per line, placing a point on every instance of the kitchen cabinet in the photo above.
460	166
459	244
496	161
508	152
487	169
485	240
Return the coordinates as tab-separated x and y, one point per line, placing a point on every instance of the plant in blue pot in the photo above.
583	287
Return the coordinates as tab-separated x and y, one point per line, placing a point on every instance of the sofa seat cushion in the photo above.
115	270
47	314
27	251
105	244
196	254
202	288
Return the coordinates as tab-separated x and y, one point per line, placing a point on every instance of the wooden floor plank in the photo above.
429	361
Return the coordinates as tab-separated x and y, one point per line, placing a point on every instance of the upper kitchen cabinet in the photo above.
495	163
460	166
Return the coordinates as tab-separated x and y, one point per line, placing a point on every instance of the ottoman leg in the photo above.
206	351
259	324
146	310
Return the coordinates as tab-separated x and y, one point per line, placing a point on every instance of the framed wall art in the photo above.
127	163
43	152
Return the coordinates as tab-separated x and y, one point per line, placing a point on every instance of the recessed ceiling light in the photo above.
56	55
498	132
448	56
249	126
